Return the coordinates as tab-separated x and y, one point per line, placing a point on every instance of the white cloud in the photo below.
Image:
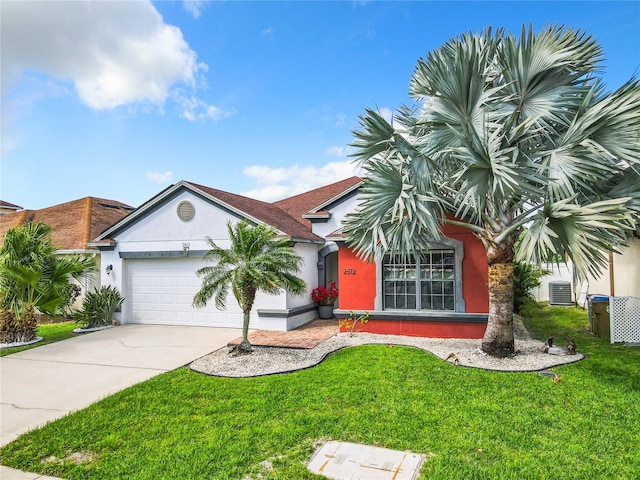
10	141
195	109
336	151
284	182
341	119
267	32
386	113
115	53
194	7
158	177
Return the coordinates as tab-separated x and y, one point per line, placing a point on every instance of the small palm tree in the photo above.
34	278
255	261
510	136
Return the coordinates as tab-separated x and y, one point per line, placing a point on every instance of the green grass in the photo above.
50	332
470	423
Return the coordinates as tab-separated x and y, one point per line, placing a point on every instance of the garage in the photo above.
161	292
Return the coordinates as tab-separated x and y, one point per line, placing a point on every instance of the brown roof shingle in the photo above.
298	205
285	215
74	224
268	213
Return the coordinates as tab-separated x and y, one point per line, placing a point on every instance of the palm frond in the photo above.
256	260
374	137
585	232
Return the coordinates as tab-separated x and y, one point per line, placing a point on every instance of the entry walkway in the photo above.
307	336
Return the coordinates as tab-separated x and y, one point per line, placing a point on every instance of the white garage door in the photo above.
161	292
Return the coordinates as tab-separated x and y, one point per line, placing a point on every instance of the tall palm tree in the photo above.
33	277
509	136
256	261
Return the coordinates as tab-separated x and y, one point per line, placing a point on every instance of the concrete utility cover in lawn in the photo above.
351	461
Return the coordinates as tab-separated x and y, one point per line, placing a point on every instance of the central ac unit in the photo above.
560	293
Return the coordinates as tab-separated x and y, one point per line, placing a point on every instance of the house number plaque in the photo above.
349	271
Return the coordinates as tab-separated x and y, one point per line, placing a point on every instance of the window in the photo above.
425	282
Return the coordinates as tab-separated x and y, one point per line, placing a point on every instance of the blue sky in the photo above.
121	99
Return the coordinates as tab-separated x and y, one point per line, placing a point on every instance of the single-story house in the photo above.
152	255
74	224
6	207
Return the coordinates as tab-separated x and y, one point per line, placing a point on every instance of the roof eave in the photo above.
318	241
104	244
71	251
168	192
336	198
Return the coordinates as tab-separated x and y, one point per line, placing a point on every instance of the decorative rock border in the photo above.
462	352
20	344
92	329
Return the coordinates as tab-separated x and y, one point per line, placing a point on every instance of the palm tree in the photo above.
33	277
256	261
509	136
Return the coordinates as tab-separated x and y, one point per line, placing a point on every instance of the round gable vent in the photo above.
186	211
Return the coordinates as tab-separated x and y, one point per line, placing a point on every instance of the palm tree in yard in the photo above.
34	278
256	260
510	137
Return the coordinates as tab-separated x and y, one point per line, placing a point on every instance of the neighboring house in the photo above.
74	224
621	276
6	207
153	253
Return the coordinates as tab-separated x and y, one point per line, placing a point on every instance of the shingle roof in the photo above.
4	204
268	213
304	203
285	215
74	223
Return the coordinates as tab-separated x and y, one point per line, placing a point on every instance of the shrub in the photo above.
34	279
526	277
98	307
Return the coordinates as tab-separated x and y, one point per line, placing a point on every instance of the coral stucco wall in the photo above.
423	328
357	281
475	271
357	278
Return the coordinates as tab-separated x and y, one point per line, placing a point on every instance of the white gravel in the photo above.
271	360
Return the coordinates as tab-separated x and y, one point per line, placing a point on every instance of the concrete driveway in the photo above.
45	383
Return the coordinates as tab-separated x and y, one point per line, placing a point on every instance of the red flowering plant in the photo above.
325	295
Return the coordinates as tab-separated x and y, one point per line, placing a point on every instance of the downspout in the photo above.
611	276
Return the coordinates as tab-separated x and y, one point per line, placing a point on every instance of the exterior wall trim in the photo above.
419	316
287	312
163	254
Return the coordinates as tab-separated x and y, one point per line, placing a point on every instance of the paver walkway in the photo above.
307	336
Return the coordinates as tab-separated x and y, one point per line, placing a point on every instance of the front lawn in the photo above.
50	332
469	423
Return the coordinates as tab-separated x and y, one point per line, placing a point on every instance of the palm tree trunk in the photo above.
245	346
498	338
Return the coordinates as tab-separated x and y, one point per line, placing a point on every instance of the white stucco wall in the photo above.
309	273
338	211
626	274
626	269
163	231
